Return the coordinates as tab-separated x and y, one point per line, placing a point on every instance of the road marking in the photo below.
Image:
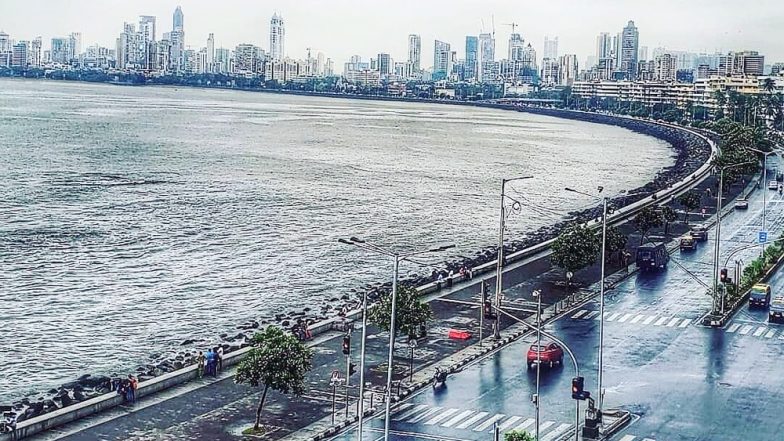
673	322
609	319
770	333
648	439
509	422
624	318
410	413
489	422
685	323
437	419
746	329
580	314
471	420
525	424
627	438
557	432
637	319
733	328
591	315
546	425
459	417
402	407
781	337
660	321
761	330
424	415
649	320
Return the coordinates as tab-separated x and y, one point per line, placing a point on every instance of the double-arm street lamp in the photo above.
500	264
764	183
397	257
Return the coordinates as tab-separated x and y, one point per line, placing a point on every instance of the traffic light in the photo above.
578	391
723	275
352	369
347	344
487	309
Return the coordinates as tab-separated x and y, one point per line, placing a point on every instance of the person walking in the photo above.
133	384
210	361
219	357
200	361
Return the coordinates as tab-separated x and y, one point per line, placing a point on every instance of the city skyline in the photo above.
340	36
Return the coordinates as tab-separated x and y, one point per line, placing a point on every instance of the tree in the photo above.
647	219
277	361
616	241
575	248
689	201
669	216
518	435
410	311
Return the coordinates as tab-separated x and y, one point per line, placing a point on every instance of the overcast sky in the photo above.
341	28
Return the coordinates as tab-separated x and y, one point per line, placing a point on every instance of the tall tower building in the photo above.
550	48
603	46
178	21
277	37
516	47
486	58
471	57
35	52
384	64
210	61
442	55
415	52
629	48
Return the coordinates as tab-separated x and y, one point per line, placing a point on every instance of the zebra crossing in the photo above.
657	320
760	331
632	438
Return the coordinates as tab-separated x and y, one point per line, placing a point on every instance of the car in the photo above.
759	295
652	257
699	232
773	185
776	311
741	204
548	353
688	243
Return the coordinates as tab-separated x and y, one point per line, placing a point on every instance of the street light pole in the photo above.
361	415
601	303
391	347
538	296
764	187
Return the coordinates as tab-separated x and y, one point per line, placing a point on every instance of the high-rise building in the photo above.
223	61
147	38
147	28
603	46
19	55
35	52
415	51
384	64
550	71
442	55
486	59
665	68
277	38
210	49
74	45
6	49
629	47
60	50
567	70
643	54
248	59
471	57
178	20
516	47
550	48
177	39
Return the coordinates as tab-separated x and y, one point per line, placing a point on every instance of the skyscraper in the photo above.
415	52
6	49
642	55
277	37
177	36
471	49
178	22
629	48
516	46
603	46
567	70
60	50
550	47
74	45
442	54
147	38
384	64
35	52
210	61
486	59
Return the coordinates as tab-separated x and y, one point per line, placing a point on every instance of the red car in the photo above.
549	354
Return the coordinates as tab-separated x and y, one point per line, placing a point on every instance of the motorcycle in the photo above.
439	377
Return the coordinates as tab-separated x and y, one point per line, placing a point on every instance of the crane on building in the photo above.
513	25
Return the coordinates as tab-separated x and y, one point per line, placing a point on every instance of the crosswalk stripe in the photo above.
733	328
410	413
525	424
401	408
424	415
685	323
459	417
746	329
761	330
627	438
781	337
660	321
624	318
770	333
648	439
557	432
673	322
637	319
511	420
591	315
580	313
649	320
441	416
471	420
613	317
489	422
545	425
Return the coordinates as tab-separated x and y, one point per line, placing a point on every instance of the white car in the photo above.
741	204
773	185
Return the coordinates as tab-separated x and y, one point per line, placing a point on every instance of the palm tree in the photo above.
721	100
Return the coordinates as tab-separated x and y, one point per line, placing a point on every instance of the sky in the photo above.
342	28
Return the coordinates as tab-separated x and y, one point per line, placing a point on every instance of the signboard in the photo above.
335	376
412	343
762	237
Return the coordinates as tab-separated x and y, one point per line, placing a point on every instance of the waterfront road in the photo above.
682	381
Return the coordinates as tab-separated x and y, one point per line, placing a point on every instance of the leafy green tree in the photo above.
690	201
616	242
668	216
277	361
575	248
647	219
518	435
410	311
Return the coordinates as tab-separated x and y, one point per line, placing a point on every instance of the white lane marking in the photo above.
637	319
770	333
427	414
761	330
402	407
410	413
471	420
660	321
459	417
649	320
525	424
685	323
437	419
627	438
746	329
624	318
580	313
557	432
609	319
591	315
489	422
733	328
648	439
673	322
511	420
546	425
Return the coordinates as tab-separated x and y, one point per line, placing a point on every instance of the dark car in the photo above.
652	256
776	311
759	295
688	243
548	353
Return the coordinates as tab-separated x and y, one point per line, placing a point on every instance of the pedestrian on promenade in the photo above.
219	357
308	335
130	393
210	361
200	361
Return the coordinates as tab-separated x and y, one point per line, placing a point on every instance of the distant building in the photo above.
567	69
248	59
471	57
59	50
277	38
178	20
549	75
603	46
385	66
210	52
35	52
516	47
665	68
550	48
630	41
487	69
442	57
415	52
6	49
19	57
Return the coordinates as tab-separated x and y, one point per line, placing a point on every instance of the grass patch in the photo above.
261	431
